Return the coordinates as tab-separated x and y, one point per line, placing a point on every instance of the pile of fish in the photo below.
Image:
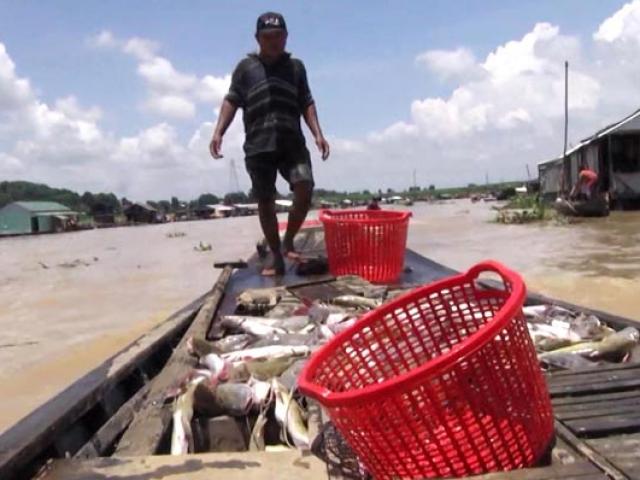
250	371
568	340
248	374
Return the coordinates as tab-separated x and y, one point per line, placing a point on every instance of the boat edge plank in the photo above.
151	421
32	434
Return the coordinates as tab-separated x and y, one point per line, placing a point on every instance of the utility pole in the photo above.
566	127
566	106
415	184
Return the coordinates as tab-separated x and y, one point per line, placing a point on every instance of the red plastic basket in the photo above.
369	243
443	381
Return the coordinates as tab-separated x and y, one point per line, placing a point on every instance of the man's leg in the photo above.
302	192
262	170
269	224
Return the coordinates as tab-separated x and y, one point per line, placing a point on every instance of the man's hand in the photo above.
323	147
215	147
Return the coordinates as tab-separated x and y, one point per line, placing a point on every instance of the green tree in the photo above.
236	197
165	206
208	199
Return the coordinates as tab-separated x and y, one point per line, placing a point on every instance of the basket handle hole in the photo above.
490	281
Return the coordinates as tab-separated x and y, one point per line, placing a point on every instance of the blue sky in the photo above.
361	56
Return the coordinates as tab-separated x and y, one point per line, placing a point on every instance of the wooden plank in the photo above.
204	466
602	425
594	456
109	432
622	450
32	435
152	421
598	368
594	377
590	410
569	401
575	470
589	388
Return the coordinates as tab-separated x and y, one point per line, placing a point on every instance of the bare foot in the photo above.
274	267
290	252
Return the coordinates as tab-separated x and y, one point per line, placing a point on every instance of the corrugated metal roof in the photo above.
548	162
42	207
599	134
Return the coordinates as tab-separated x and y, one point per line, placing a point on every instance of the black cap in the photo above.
270	21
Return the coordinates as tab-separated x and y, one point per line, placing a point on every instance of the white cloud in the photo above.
504	111
10	164
161	75
171	93
623	25
213	89
69	106
141	48
103	39
15	92
172	106
64	144
448	63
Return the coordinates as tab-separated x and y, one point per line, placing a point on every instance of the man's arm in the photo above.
310	115
227	112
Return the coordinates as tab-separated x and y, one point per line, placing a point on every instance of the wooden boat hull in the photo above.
86	422
597	207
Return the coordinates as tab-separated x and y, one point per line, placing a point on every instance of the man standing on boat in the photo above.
272	90
585	187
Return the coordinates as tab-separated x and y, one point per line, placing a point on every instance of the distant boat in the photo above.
595	207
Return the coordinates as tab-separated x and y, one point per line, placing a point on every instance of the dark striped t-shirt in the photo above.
272	98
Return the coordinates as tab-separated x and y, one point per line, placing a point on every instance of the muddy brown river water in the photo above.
70	301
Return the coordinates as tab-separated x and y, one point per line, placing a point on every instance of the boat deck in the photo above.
597	421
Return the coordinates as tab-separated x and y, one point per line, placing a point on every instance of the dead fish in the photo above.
182	435
256	439
258	300
232	342
233	399
261	392
589	327
274	351
555	330
283	339
549	343
198	347
267	368
616	345
289	415
238	373
341	327
216	365
179	387
546	313
566	360
326	332
289	324
336	318
356	301
256	326
289	378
